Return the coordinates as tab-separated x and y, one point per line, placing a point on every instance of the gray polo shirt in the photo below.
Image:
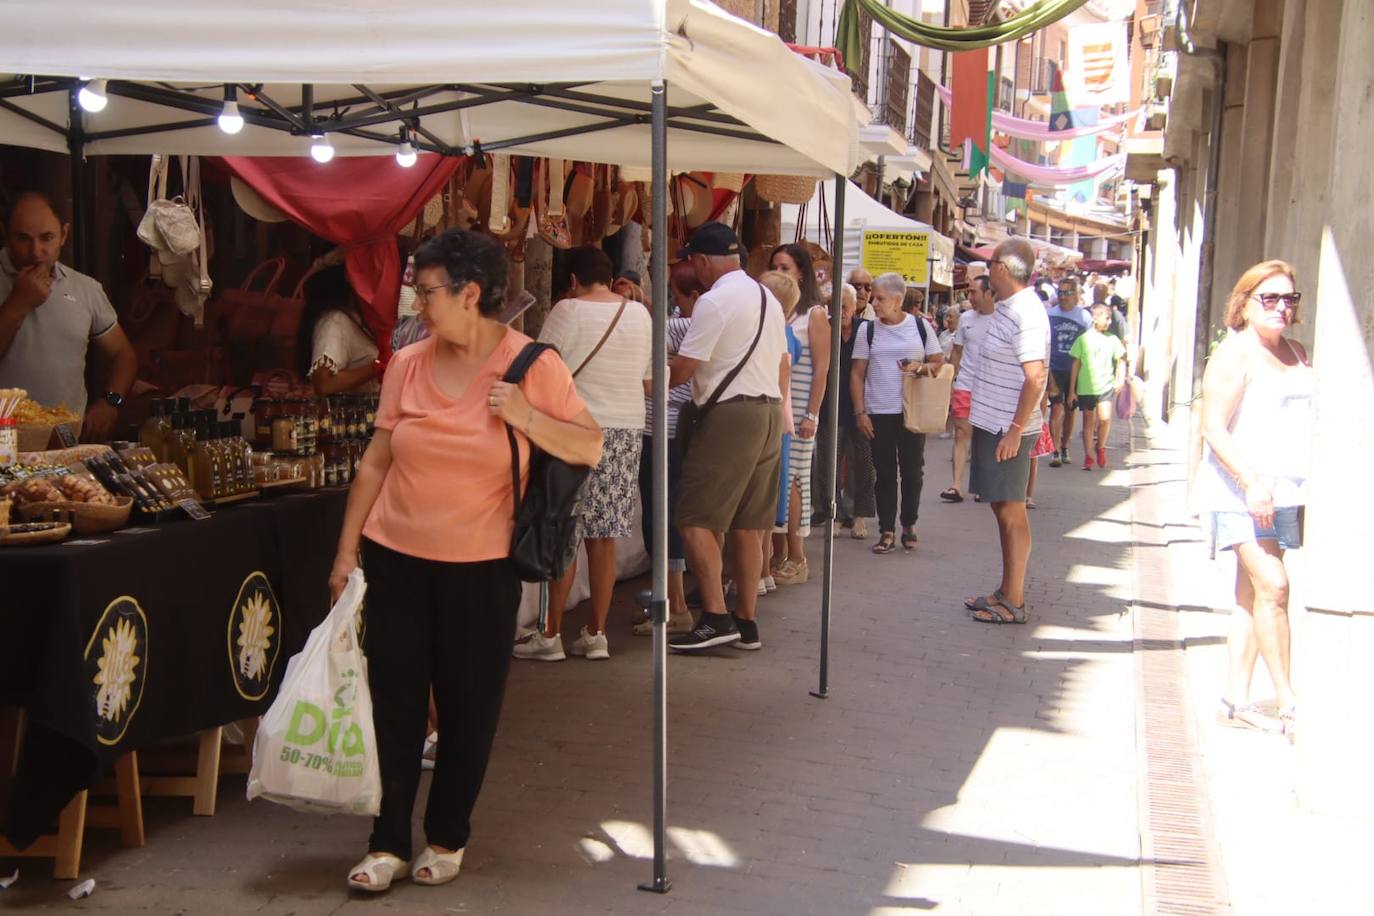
48	356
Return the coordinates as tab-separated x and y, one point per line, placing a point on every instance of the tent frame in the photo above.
389	108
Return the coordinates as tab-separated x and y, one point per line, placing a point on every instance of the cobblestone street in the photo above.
956	768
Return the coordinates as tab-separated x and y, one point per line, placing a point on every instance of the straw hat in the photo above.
251	202
693	191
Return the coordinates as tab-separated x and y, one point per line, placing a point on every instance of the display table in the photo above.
154	634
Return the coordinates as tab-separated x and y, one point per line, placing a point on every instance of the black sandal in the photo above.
886	543
951	495
909	538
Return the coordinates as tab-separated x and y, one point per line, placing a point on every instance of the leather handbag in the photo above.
689	416
544	542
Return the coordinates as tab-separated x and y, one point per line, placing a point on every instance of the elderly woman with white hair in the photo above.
854	479
886	349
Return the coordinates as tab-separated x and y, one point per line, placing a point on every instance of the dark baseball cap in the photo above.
712	240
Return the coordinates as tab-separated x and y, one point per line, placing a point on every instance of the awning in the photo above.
531	77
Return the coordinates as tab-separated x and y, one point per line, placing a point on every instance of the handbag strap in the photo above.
739	367
604	337
515	373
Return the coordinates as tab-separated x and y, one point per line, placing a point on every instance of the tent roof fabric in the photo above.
723	75
859	210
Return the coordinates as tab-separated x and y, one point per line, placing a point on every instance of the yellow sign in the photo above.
906	253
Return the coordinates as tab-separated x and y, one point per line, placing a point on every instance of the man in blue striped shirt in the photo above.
1007	389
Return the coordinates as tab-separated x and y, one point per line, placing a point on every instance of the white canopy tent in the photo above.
861	212
531	77
666	84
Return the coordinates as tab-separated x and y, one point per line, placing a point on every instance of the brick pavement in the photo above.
956	768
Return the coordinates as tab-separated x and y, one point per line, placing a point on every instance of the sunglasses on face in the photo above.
1273	301
1068	291
862	285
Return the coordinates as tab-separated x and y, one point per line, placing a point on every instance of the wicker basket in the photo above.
86	518
728	181
785	189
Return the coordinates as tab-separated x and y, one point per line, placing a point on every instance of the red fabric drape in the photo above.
969	111
360	202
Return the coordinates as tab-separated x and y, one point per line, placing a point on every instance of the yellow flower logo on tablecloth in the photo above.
255	631
117	664
118	661
255	636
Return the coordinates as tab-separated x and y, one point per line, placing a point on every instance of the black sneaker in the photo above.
712	630
748	635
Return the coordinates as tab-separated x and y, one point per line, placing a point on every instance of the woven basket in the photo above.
785	189
85	518
728	181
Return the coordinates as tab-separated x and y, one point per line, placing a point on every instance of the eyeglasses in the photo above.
1068	291
422	292
1273	301
862	285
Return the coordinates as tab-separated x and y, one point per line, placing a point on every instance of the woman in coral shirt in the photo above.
432	511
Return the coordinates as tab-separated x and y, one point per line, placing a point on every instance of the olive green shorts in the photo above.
730	471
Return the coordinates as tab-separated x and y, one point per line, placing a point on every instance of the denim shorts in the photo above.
1232	528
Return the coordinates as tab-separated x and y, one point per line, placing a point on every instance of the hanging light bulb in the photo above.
92	96
321	148
230	121
405	153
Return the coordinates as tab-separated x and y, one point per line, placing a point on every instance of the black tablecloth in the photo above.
150	636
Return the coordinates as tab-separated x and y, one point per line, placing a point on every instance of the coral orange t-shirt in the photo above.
447	495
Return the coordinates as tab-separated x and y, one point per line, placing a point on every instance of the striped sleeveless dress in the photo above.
802	450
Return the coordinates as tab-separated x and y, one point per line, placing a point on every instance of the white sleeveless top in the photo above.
1272	428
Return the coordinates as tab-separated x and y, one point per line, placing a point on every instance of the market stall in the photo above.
673	86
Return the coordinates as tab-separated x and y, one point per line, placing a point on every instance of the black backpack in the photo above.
545	538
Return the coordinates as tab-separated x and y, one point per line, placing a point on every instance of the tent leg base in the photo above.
657	886
820	694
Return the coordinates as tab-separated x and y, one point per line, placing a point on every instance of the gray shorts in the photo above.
999	481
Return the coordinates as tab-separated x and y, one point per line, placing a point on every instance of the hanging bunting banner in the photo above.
1055	176
971	107
1098	69
1026	129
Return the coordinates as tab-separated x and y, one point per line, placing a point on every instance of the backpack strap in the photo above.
868	329
514	375
739	366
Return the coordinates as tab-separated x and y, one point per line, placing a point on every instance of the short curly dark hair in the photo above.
469	257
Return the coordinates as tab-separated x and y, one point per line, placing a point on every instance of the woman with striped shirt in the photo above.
812	329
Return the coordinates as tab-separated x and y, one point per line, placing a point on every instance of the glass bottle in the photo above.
284	430
244	450
153	433
202	470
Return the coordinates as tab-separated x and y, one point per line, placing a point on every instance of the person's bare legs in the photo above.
703	556
1030	481
677	595
746	554
559	589
1063	427
601	578
1263	563
1241	650
796	548
1089	428
1013	528
963	435
1104	421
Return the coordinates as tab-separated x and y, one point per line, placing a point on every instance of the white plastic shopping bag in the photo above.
316	749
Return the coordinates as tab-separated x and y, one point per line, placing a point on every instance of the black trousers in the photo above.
897	448
449	625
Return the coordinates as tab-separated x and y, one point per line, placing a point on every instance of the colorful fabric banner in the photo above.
970	110
1099	71
1055	176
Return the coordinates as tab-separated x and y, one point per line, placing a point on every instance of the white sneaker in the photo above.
768	584
540	648
593	647
431	748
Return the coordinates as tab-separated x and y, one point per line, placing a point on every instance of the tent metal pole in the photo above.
76	148
832	422
659	605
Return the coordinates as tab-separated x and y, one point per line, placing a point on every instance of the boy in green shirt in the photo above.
1099	371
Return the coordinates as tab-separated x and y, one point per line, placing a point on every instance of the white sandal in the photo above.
380	869
443	866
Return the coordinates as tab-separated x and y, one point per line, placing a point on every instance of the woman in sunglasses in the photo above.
1256	422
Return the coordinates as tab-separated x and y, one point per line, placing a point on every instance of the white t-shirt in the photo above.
1018	333
972	326
612	384
724	322
891	342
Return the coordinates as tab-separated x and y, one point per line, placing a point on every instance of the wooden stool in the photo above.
210	763
64	847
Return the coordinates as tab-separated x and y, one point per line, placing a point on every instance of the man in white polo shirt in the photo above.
51	315
1007	388
733	354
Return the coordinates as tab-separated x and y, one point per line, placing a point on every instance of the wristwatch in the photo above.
114	398
812	417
